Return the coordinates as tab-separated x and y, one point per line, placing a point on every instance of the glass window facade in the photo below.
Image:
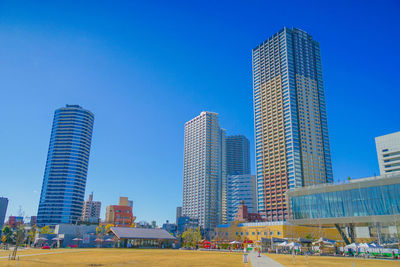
64	181
364	201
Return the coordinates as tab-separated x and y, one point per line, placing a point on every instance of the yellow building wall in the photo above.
255	233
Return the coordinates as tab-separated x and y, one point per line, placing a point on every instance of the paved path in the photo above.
262	261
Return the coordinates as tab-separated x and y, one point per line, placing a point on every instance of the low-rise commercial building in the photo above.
169	227
370	206
256	231
120	215
14	221
142	237
185	223
244	215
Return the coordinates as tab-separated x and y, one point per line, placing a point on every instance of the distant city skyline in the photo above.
109	58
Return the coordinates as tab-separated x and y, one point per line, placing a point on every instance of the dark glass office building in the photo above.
65	175
3	210
237	155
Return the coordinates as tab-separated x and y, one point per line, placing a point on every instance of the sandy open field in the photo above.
123	257
300	261
167	257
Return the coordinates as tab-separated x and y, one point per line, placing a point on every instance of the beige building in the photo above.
91	210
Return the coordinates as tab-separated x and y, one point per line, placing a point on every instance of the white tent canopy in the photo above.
325	241
293	244
289	245
365	245
352	245
283	244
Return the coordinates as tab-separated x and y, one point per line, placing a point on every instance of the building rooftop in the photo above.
385	179
141	233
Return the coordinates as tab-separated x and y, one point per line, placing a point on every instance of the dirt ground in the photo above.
123	257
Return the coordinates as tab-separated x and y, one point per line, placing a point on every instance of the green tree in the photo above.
46	230
191	237
309	236
187	237
100	231
31	235
7	234
108	226
197	236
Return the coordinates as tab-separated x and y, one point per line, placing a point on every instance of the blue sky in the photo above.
145	67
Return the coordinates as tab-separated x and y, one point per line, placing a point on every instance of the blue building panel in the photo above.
64	180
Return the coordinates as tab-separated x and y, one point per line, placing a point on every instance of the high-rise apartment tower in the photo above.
91	210
64	181
291	130
204	174
388	150
237	155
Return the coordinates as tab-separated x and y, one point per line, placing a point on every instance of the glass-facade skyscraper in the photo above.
204	171
64	181
3	210
237	155
291	131
240	188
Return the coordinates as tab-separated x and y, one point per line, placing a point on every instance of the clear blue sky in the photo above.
144	68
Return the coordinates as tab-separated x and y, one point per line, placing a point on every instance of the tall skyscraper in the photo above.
91	210
204	174
3	210
178	214
291	130
240	189
237	155
64	181
388	150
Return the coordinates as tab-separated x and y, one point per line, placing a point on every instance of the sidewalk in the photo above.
262	261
